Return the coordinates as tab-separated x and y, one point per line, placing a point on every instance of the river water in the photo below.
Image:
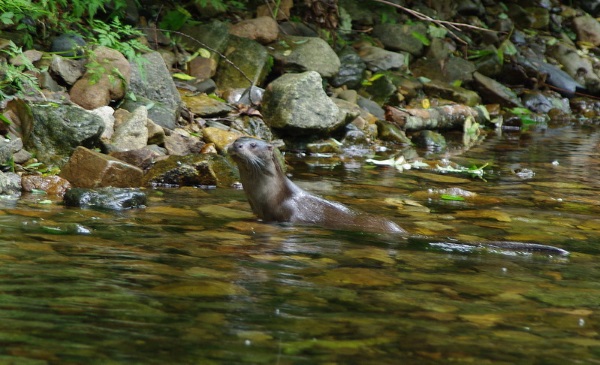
195	279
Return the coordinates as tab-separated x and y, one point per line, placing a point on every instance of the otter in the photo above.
273	197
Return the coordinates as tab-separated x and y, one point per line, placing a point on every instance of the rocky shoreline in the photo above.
166	118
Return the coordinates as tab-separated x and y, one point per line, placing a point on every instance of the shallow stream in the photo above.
195	279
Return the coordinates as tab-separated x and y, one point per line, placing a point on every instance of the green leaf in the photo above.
436	32
422	38
204	53
451	197
182	76
5	120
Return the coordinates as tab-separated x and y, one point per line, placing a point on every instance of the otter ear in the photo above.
270	147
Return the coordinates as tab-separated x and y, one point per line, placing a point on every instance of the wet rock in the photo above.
131	132
205	106
535	68
142	158
450	92
250	57
389	132
67	70
181	143
91	169
246	96
68	45
578	67
52	185
327	146
587	29
10	183
262	29
430	140
399	37
539	102
58	129
492	91
298	102
300	54
219	137
110	198
193	170
378	59
101	83
352	69
107	115
154	83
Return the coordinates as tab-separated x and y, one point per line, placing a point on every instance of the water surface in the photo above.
195	279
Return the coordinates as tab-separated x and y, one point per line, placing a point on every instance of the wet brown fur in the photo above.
275	198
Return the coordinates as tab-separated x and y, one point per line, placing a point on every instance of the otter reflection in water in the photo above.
275	198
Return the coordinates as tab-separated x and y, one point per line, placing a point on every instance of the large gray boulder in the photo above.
297	103
56	130
248	56
299	54
152	84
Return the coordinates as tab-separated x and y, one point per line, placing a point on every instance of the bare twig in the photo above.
442	23
204	45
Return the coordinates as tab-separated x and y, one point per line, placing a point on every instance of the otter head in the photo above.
254	157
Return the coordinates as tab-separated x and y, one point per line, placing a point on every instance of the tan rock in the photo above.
52	185
220	137
106	80
263	29
90	169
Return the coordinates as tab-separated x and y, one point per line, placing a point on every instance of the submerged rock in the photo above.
105	198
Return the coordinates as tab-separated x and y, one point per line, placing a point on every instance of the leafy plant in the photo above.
18	80
221	5
118	36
